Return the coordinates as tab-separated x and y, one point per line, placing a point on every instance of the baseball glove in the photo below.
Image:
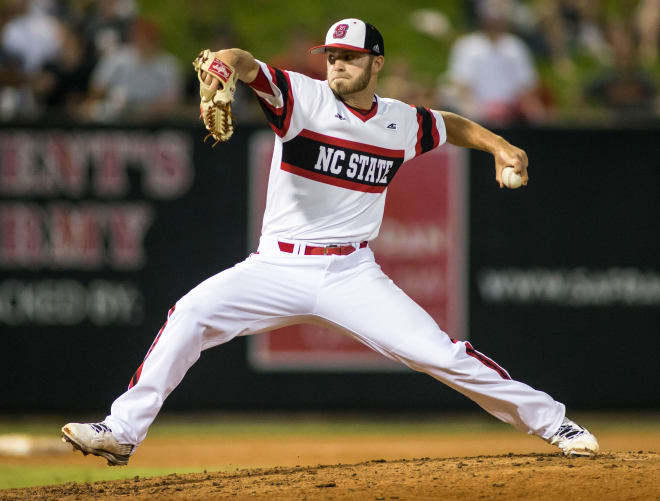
215	106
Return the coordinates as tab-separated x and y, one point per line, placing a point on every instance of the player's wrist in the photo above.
495	144
229	56
243	62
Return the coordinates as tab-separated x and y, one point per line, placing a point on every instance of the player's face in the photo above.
348	71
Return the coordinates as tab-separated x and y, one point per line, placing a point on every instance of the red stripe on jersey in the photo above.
323	178
289	107
261	83
420	133
275	111
279	118
273	76
366	148
364	116
434	130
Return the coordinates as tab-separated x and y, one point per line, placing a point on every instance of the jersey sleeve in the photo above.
284	97
429	133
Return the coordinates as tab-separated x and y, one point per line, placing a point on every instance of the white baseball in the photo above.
510	178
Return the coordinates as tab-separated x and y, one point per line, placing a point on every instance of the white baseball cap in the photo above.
353	34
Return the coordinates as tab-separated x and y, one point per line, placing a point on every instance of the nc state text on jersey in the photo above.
329	160
340	162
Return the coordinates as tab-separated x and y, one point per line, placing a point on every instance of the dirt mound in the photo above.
629	475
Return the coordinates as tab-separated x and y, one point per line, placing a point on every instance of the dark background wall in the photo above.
564	284
590	216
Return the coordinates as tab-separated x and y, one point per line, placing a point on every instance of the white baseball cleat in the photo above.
97	439
574	440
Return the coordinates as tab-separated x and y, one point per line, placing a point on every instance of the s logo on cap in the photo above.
340	31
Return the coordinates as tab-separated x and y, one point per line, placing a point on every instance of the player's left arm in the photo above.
468	134
242	61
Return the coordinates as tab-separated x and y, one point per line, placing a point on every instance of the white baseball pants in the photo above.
272	289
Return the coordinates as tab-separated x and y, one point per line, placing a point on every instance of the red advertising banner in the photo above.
421	247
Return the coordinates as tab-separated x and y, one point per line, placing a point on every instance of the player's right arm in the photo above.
468	134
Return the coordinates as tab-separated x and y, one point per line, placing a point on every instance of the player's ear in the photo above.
377	64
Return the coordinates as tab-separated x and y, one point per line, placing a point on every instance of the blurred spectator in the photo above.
32	35
648	26
30	38
108	24
491	72
63	83
400	82
625	87
296	55
11	72
571	27
523	20
138	81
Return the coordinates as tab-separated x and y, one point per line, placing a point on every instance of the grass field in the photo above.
224	443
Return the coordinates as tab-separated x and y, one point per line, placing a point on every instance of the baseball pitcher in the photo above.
338	146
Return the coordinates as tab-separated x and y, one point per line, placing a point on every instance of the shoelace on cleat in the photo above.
100	427
568	431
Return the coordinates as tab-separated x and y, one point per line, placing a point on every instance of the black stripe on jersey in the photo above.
426	125
279	118
341	163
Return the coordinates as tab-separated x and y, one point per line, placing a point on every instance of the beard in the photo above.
342	87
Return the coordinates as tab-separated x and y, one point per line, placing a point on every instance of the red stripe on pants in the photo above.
138	372
483	359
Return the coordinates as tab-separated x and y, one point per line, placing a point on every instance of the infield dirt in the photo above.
308	469
631	475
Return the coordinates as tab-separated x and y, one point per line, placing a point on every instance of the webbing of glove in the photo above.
215	105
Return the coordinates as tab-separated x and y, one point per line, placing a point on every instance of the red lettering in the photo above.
86	236
21	236
127	226
76	164
109	174
76	236
168	169
16	172
65	159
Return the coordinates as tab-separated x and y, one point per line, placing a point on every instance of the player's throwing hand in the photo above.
508	155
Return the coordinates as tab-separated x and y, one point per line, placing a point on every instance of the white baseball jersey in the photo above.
332	164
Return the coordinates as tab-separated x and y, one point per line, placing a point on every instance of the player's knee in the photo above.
436	360
198	315
190	310
433	350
